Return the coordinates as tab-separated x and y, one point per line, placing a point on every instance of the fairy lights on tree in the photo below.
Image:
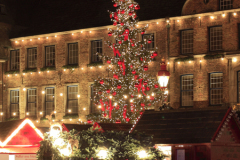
125	95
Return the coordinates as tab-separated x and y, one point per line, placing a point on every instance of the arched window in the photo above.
225	4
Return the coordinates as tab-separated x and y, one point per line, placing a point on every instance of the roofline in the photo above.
140	22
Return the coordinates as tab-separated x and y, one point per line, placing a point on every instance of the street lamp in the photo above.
163	75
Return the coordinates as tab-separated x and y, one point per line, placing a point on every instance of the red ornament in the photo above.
130	13
120	42
89	121
108	90
108	61
145	68
127	119
122	11
114	93
132	96
143	32
120	62
104	114
141	113
152	98
118	121
145	83
135	16
131	6
119	87
149	104
148	88
133	72
131	66
122	24
109	34
115	5
101	81
156	85
136	76
115	76
149	41
111	15
137	7
136	85
114	23
142	105
100	92
155	54
133	44
152	56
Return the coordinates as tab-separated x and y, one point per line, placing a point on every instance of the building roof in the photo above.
182	126
49	16
105	126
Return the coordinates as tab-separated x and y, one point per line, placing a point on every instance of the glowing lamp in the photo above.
142	154
163	75
102	154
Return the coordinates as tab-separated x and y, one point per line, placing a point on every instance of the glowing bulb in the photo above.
142	154
47	71
125	96
43	92
115	104
102	154
78	95
40	113
177	20
39	72
100	66
15	74
234	13
131	100
110	97
167	21
39	38
72	33
168	62
23	73
148	97
70	119
55	35
69	111
82	68
22	40
37	121
81	31
16	41
47	37
178	62
64	70
139	95
189	61
166	92
84	109
73	69
99	106
153	94
199	17
24	89
14	114
79	119
234	60
223	15
222	59
91	67
61	94
157	22
27	113
31	72
90	31
8	75
1	113
200	61
211	17
55	112
30	39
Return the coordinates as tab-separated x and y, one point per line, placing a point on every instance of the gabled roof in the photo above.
49	16
182	126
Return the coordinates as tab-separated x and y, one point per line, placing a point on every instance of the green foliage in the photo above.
70	116
12	118
120	145
48	69
213	56
95	64
70	66
12	72
184	59
30	70
94	117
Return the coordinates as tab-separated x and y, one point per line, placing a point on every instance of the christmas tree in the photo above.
129	92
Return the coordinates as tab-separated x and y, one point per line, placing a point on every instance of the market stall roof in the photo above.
183	126
105	126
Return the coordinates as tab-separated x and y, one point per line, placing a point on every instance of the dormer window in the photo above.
226	4
2	9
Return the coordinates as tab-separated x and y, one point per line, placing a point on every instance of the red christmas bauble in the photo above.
133	44
104	114
89	121
131	66
114	23
145	68
108	61
133	72
119	87
145	83
135	16
132	96
101	81
120	62
148	88
99	92
130	13
115	5
141	113
109	34
149	104
152	98
137	7
127	119
114	93
156	85
122	24
108	90
155	54
115	76
149	41
136	85
152	56
118	121
131	6
120	42
111	15
136	76
142	104
143	32
122	11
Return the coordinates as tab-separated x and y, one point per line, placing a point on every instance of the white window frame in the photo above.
215	89
10	103
73	53
50	58
32	57
186	88
14	60
215	38
187	41
67	99
27	100
225	4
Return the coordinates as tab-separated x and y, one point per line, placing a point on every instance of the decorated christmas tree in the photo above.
129	92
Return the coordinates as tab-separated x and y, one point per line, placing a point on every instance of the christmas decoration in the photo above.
128	86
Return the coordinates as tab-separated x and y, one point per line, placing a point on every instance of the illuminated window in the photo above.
226	4
187	90
73	53
14	60
216	88
32	58
215	39
96	48
49	100
14	103
32	101
146	37
72	99
50	56
94	96
187	41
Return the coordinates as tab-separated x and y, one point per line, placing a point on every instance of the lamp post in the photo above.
163	78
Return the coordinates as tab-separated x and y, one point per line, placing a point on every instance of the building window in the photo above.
187	41
186	90
96	48
226	4
215	39
49	100
94	97
146	37
216	88
73	53
14	103
32	58
15	60
32	101
50	56
72	99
